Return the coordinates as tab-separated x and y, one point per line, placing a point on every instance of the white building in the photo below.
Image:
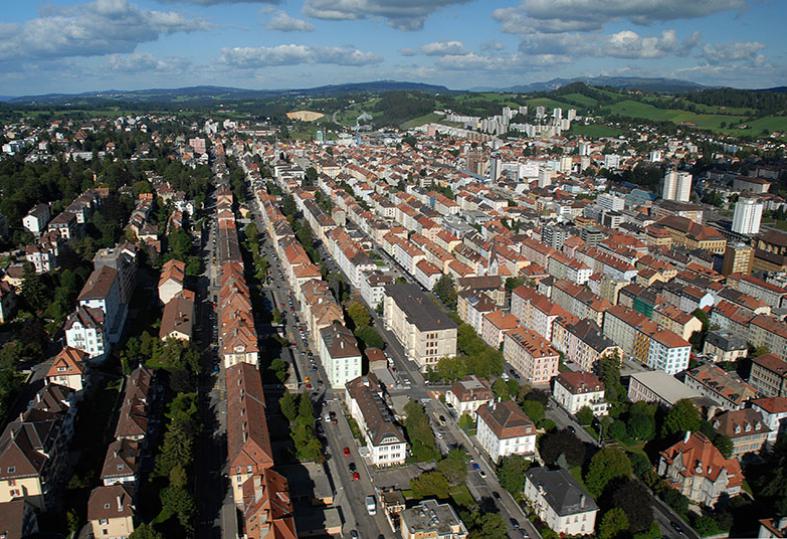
385	442
677	186
575	390
373	285
774	415
468	395
668	352
747	217
560	502
339	355
84	330
504	429
37	218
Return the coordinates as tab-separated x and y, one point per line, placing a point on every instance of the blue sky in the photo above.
73	46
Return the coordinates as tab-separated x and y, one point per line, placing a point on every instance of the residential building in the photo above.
696	469
583	344
668	352
267	507
503	429
84	329
431	519
385	440
770	333
177	320
339	355
658	387
576	390
773	528
677	186
745	428
421	327
495	325
37	218
738	258
560	502
531	355
110	511
18	520
102	291
171	280
121	462
373	285
747	216
774	414
724	388
68	369
468	395
724	346
768	375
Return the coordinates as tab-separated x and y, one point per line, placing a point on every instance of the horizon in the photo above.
72	46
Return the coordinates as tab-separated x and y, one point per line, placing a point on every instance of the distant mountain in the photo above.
217	93
633	83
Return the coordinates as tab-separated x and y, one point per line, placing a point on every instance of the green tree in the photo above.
359	314
608	464
179	243
445	289
310	177
682	417
454	466
370	338
677	501
561	442
179	502
723	444
585	415
466	423
34	290
534	410
430	484
419	432
634	499
306	412
613	524
490	526
609	370
289	406
511	474
279	369
145	531
641	422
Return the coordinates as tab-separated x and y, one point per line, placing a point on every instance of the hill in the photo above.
218	93
647	84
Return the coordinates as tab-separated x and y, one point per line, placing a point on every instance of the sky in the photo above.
60	46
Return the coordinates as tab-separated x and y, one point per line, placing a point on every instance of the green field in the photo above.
595	130
579	100
545	102
421	120
645	111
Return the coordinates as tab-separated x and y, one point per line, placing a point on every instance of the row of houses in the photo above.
261	494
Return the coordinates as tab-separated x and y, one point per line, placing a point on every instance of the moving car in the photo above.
346	451
371	505
356	476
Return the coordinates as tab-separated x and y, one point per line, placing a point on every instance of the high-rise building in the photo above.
677	186
738	258
747	217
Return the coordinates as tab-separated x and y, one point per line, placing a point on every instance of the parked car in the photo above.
356	476
352	467
482	473
346	451
514	523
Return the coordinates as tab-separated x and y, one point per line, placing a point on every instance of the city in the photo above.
392	309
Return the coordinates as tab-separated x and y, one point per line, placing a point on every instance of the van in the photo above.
371	505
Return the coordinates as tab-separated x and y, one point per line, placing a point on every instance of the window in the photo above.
12	469
103	521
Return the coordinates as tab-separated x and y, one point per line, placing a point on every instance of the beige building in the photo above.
531	355
769	375
421	327
432	520
111	512
745	428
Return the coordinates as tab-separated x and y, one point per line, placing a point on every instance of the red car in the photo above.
356	476
346	451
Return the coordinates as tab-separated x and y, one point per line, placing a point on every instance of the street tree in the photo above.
608	464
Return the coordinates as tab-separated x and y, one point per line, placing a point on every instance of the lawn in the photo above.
421	120
461	496
595	130
546	102
580	100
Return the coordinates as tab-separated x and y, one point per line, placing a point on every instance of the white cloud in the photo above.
400	14
741	51
443	48
282	55
91	29
217	2
624	44
499	62
144	62
586	15
283	22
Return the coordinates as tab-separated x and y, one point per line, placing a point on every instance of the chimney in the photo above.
120	503
582	501
687	436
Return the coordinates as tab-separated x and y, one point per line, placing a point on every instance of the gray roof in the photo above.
561	491
419	309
